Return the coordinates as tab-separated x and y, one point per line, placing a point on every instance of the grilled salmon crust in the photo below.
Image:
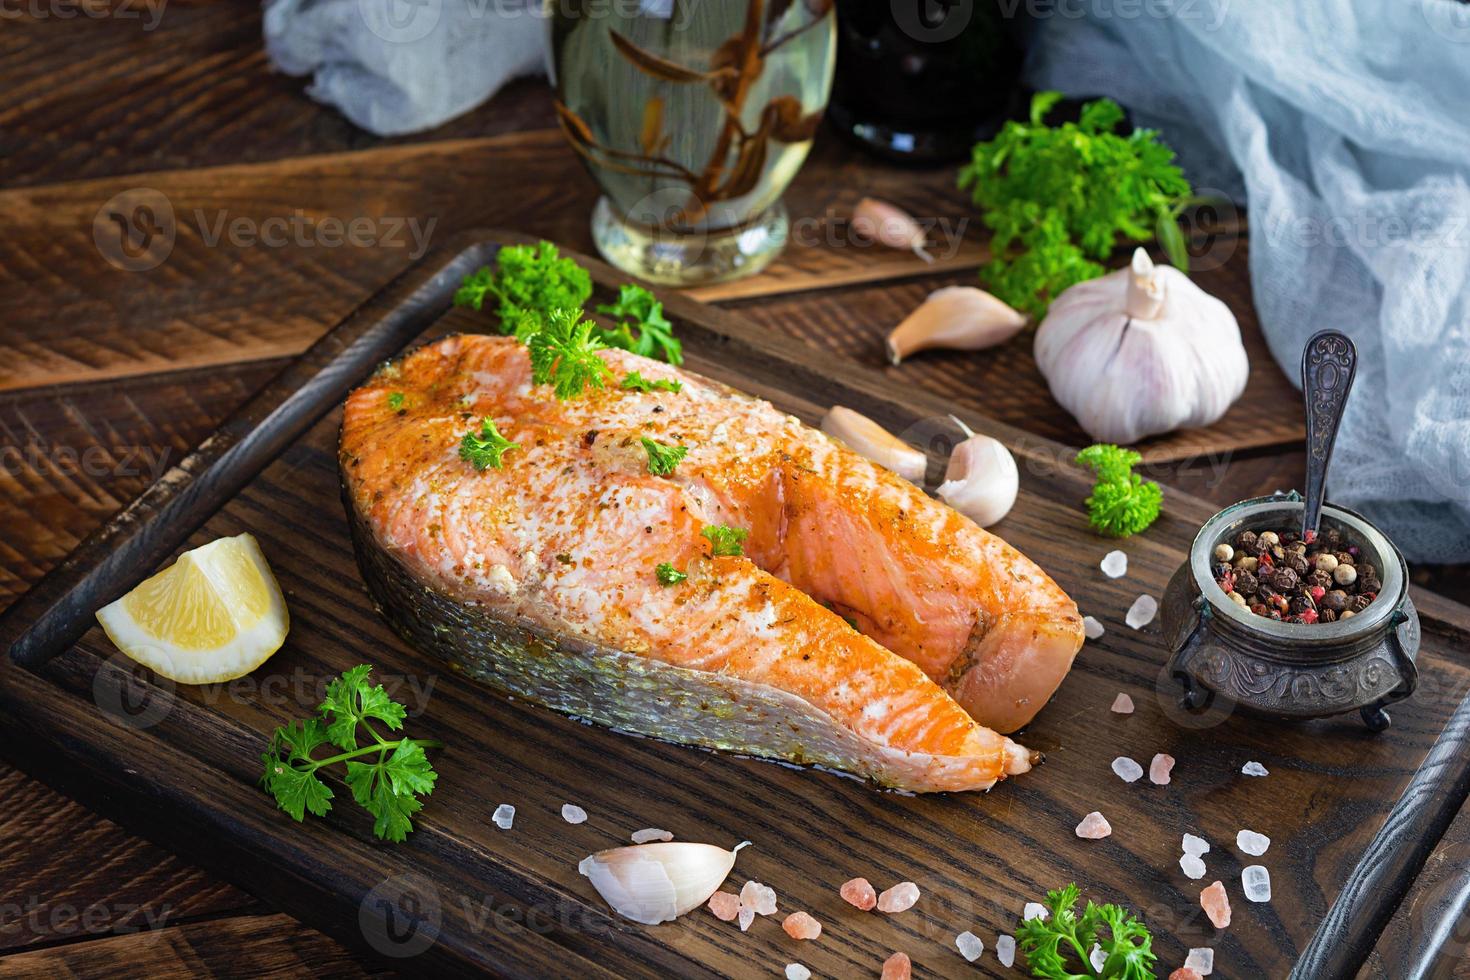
538	577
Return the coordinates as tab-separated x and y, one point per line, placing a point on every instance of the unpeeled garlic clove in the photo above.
653	883
981	480
881	222
955	317
869	439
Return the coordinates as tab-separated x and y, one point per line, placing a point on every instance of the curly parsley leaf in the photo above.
1122	502
661	458
564	354
641	325
725	540
667	574
1067	194
531	279
635	381
487	448
395	400
1050	942
386	776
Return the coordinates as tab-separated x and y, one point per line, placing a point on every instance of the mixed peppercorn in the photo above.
1277	575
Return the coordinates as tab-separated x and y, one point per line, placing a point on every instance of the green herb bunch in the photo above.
1122	502
528	279
386	776
1050	942
1059	197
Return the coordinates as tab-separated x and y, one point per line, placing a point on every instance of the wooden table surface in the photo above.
107	376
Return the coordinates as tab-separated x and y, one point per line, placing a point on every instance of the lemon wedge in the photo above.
214	615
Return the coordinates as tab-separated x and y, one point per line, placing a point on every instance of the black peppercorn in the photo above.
1343	558
1246	540
1320	578
1369	583
1327	616
1297	563
1358	603
1246	583
1283	579
1301	603
1365	570
1336	600
1332	538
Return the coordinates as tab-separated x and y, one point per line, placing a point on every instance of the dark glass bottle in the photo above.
923	80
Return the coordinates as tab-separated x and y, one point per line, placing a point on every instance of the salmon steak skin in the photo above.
865	628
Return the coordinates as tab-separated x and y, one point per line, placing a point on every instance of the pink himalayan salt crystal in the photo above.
747	916
859	893
759	898
1185	973
725	905
1160	769
800	925
1216	904
1094	826
900	898
898	967
1122	704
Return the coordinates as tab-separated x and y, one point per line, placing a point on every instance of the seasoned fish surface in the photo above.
539	577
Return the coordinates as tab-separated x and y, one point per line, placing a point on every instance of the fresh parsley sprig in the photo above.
564	354
635	381
641	325
1049	942
532	279
725	540
661	458
1058	198
667	574
387	777
395	400
487	448
1121	503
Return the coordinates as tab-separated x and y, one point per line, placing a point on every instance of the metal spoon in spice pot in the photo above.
1329	363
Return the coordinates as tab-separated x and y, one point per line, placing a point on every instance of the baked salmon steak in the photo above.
769	593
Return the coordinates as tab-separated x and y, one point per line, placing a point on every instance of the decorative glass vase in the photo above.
693	116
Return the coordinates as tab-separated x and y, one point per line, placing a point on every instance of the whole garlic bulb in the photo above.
1140	351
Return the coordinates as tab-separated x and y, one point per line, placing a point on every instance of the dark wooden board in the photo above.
188	777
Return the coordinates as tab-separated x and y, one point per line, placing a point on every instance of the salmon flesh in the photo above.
866	627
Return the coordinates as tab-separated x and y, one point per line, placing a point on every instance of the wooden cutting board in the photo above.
1346	810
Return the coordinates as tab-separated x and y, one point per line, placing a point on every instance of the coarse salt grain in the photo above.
1195	845
1097	958
1161	769
572	813
504	816
898	967
759	898
1005	950
1114	564
746	916
1192	866
1256	881
1126	769
1252	843
795	971
1216	904
969	945
1091	628
725	906
1142	612
1254	769
1035	910
800	925
1122	704
859	893
1201	960
651	834
1094	826
900	898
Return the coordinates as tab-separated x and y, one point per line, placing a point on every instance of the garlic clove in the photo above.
955	317
981	480
867	438
653	883
881	222
1145	297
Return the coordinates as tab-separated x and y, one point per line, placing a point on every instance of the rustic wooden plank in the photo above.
248	945
978	858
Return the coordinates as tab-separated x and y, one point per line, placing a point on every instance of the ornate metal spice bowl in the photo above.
1291	670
